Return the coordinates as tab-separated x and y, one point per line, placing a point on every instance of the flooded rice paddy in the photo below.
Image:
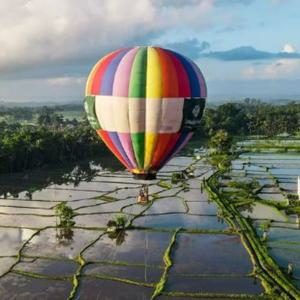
272	211
39	261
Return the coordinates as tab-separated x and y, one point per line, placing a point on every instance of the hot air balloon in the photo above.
145	103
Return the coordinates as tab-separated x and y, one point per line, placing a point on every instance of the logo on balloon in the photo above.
196	111
192	112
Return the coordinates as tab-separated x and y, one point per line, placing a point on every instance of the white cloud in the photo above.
65	81
280	69
288	48
48	32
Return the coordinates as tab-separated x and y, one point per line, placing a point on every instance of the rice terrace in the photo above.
221	232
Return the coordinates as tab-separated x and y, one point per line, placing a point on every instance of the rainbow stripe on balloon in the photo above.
136	100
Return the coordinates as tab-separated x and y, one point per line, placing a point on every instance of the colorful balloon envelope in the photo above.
145	103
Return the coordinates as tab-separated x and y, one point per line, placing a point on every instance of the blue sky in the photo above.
245	48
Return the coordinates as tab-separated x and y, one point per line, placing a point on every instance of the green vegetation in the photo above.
124	280
118	223
177	177
278	145
116	229
65	215
221	161
183	176
273	278
25	147
168	263
251	117
106	198
164	184
220	146
265	227
245	191
220	141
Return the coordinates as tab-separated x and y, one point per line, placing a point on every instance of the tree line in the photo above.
252	117
54	140
19	113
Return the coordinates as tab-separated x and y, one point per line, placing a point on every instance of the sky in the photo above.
245	48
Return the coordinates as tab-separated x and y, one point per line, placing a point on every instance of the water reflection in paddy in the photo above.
283	237
47	244
147	274
139	246
167	205
202	208
48	267
262	211
14	286
135	254
92	288
210	254
180	220
238	285
29	221
11	239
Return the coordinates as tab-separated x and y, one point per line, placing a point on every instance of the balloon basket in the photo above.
144	176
